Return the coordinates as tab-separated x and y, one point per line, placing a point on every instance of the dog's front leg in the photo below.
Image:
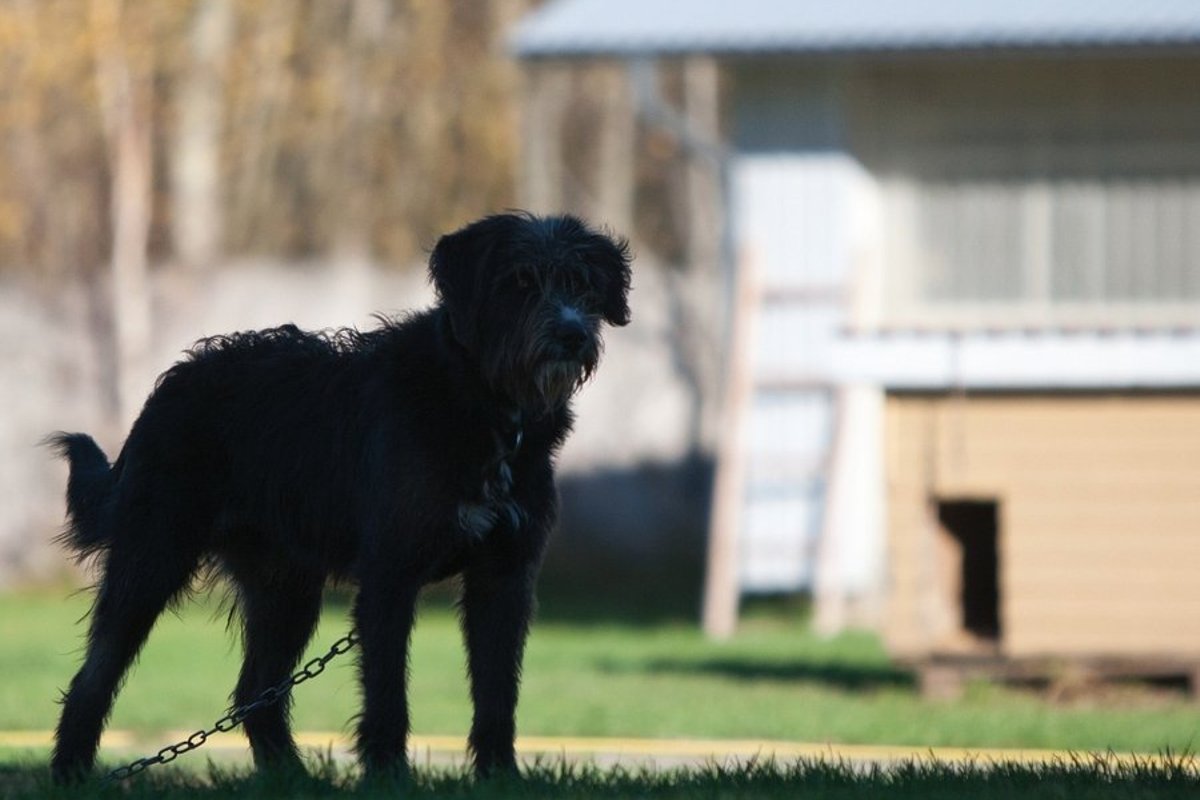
383	615
497	603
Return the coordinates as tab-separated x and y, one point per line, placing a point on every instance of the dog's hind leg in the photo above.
138	583
279	617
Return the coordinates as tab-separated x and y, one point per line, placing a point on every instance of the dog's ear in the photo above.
457	268
611	259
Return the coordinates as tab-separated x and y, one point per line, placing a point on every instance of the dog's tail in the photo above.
88	491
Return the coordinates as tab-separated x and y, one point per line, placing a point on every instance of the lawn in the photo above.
775	680
1098	780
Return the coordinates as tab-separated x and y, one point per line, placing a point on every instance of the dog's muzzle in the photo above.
561	351
573	338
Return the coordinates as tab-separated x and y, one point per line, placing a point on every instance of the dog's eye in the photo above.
584	290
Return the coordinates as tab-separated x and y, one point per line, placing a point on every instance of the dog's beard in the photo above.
557	381
532	368
534	372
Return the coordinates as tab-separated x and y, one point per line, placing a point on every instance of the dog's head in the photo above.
526	296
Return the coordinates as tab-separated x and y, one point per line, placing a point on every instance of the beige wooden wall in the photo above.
1099	519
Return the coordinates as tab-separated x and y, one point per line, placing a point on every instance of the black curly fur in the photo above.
392	457
88	490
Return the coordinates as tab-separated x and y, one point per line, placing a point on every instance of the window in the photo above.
1036	193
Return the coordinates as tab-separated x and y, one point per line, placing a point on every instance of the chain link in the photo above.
269	697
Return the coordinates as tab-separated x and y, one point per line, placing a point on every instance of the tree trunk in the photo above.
125	104
254	188
617	157
545	101
351	144
698	327
196	220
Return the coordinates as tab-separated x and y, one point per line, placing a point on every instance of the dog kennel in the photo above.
1027	531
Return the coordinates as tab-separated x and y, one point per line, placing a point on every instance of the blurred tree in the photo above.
124	86
197	221
304	129
52	154
366	128
137	134
209	129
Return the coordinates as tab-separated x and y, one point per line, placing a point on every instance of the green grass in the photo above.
651	679
813	780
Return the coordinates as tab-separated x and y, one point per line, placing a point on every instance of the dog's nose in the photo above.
572	335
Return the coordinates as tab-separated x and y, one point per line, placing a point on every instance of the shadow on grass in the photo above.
630	600
849	677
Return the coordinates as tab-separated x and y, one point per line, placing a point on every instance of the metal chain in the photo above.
270	696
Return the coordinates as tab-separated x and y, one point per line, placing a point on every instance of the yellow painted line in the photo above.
786	750
633	748
24	739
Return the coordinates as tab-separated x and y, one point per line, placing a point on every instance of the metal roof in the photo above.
564	28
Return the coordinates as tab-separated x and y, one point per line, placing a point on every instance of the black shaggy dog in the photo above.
393	458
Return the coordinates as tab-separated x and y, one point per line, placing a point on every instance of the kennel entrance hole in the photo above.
970	533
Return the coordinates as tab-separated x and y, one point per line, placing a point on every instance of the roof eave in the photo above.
531	49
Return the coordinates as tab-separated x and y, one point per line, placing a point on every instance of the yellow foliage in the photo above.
367	123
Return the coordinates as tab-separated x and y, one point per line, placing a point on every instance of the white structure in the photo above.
946	197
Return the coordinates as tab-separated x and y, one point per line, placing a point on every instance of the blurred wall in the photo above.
174	170
619	470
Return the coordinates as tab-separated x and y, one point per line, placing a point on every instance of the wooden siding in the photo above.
1099	519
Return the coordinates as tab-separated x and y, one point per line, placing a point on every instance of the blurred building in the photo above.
961	254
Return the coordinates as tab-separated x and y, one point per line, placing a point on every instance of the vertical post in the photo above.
722	591
704	240
617	137
546	95
702	114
